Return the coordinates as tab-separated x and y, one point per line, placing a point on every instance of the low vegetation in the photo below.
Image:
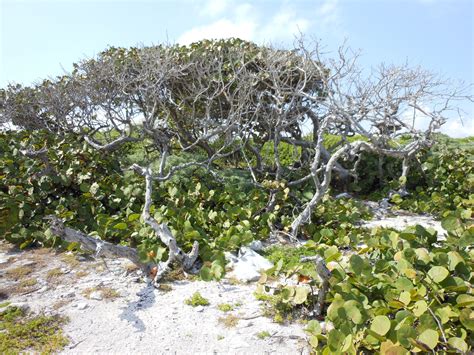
105	292
24	332
263	334
196	300
227	307
19	272
229	321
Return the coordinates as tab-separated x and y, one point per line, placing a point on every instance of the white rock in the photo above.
199	308
96	295
248	265
4	258
230	258
81	306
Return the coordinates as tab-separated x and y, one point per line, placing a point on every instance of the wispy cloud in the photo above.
458	129
214	8
250	22
328	14
284	25
240	24
262	22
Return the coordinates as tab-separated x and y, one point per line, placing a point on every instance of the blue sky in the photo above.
40	38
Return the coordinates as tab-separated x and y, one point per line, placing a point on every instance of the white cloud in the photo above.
214	7
457	129
247	22
223	28
454	127
328	14
284	25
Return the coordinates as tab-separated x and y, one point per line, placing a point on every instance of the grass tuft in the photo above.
19	272
229	321
28	283
107	293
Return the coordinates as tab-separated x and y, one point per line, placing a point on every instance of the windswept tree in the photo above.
216	100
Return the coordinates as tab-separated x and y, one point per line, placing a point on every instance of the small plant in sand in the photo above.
54	274
107	293
28	283
197	300
229	321
18	272
263	334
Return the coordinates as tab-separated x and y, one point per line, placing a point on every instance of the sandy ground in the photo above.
143	320
400	219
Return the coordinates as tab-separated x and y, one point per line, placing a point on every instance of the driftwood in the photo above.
324	274
93	244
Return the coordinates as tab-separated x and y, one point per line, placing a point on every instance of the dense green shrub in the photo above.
447	182
82	185
400	291
92	193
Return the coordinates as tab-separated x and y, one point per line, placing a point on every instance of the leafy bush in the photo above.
82	185
91	193
401	291
447	181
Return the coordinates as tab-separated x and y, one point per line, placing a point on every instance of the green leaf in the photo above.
313	327
467	318
133	217
380	325
121	226
420	308
205	273
465	300
335	340
450	223
287	293
429	337
405	333
313	341
404	284
396	199
84	187
405	298
454	259
438	273
444	313
357	264
301	295
458	344
353	312
217	270
346	344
